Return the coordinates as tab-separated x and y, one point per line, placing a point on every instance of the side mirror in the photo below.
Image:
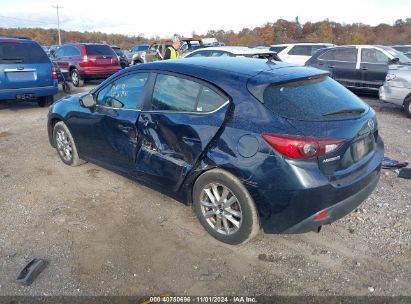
394	61
88	101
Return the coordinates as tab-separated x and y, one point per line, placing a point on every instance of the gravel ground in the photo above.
106	235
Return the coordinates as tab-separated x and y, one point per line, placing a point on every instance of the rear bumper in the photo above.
98	73
336	211
300	191
35	91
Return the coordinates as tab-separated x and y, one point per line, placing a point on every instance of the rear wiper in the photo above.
346	111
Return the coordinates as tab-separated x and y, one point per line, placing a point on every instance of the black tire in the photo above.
45	101
407	106
61	131
248	222
75	78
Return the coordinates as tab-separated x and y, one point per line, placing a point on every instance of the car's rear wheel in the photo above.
75	78
224	207
45	101
65	146
407	106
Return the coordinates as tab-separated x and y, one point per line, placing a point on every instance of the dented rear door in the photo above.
183	117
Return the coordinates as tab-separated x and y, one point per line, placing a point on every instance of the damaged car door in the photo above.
112	135
180	121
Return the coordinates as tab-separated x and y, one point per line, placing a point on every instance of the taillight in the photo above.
302	147
321	216
54	73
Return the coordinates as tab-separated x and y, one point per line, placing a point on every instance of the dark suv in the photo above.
26	73
359	67
85	61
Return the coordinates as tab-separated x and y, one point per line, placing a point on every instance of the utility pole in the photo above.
57	7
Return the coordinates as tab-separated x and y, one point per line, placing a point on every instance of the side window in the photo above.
173	93
373	56
315	48
302	50
123	92
346	54
328	55
209	100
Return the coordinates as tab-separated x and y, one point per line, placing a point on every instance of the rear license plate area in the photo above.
21	76
362	147
25	96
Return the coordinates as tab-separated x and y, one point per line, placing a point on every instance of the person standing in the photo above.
171	51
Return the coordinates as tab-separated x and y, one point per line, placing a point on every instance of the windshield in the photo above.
397	54
313	100
140	48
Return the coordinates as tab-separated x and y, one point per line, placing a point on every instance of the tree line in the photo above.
281	31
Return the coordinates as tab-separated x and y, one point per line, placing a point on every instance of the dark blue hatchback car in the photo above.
26	72
249	143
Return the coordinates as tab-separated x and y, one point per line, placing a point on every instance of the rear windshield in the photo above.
118	52
18	52
312	100
96	49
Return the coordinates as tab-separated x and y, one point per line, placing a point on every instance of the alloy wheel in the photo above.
64	146
221	209
75	78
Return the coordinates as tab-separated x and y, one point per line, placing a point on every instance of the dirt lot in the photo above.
106	235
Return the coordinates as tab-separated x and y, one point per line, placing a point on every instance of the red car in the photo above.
86	61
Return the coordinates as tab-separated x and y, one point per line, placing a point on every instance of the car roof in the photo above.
236	50
209	68
17	39
304	43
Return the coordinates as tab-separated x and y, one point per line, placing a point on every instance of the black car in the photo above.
122	57
249	143
358	67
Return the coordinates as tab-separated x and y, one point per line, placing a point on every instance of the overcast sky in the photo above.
166	17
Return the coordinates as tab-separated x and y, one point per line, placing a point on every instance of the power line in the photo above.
57	7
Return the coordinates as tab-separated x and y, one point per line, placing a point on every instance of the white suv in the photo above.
297	53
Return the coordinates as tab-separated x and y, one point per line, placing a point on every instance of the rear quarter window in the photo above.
310	99
18	52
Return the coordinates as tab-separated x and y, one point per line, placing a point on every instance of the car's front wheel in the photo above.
64	143
224	207
75	78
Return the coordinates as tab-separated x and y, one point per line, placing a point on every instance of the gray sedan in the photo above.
397	87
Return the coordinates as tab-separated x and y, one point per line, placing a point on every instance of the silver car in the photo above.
397	87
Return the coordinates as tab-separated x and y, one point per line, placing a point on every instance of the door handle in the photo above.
331	66
364	68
